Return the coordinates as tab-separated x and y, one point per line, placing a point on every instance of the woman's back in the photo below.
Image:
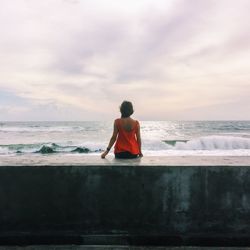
127	124
127	140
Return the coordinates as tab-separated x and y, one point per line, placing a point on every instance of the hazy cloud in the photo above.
177	59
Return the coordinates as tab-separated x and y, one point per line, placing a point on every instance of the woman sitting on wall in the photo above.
126	135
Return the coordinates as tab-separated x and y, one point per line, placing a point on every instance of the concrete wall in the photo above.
173	205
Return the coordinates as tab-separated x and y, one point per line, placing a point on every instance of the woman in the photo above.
126	135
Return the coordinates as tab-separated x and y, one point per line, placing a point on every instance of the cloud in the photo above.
169	57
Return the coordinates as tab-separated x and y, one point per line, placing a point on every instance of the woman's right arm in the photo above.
138	136
112	141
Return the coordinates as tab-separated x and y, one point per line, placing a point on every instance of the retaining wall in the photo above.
139	205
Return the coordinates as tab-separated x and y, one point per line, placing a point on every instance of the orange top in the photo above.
126	140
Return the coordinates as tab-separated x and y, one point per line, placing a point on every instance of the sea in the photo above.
159	138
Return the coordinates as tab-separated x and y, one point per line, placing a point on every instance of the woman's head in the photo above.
126	109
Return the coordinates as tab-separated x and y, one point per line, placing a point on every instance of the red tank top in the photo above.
126	140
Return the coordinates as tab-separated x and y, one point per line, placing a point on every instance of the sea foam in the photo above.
214	143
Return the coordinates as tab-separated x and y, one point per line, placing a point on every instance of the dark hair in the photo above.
126	109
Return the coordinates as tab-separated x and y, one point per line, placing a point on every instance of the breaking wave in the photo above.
45	148
210	143
205	144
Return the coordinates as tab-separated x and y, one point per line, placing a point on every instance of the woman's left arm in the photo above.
112	140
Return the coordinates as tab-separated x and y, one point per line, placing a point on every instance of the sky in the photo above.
79	59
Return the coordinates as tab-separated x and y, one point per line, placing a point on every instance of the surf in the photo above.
210	143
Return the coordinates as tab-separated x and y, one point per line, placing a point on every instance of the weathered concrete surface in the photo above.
125	205
90	160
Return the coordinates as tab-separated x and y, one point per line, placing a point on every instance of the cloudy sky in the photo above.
78	59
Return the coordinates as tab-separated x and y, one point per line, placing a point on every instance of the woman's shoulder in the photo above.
136	124
136	121
116	121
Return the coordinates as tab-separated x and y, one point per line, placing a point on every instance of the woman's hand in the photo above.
104	154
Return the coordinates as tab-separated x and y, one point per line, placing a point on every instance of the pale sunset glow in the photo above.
79	59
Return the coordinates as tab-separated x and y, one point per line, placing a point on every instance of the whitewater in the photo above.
159	138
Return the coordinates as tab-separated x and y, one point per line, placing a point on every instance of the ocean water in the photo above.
159	138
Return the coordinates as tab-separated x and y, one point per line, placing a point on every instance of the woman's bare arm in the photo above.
138	136
112	141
